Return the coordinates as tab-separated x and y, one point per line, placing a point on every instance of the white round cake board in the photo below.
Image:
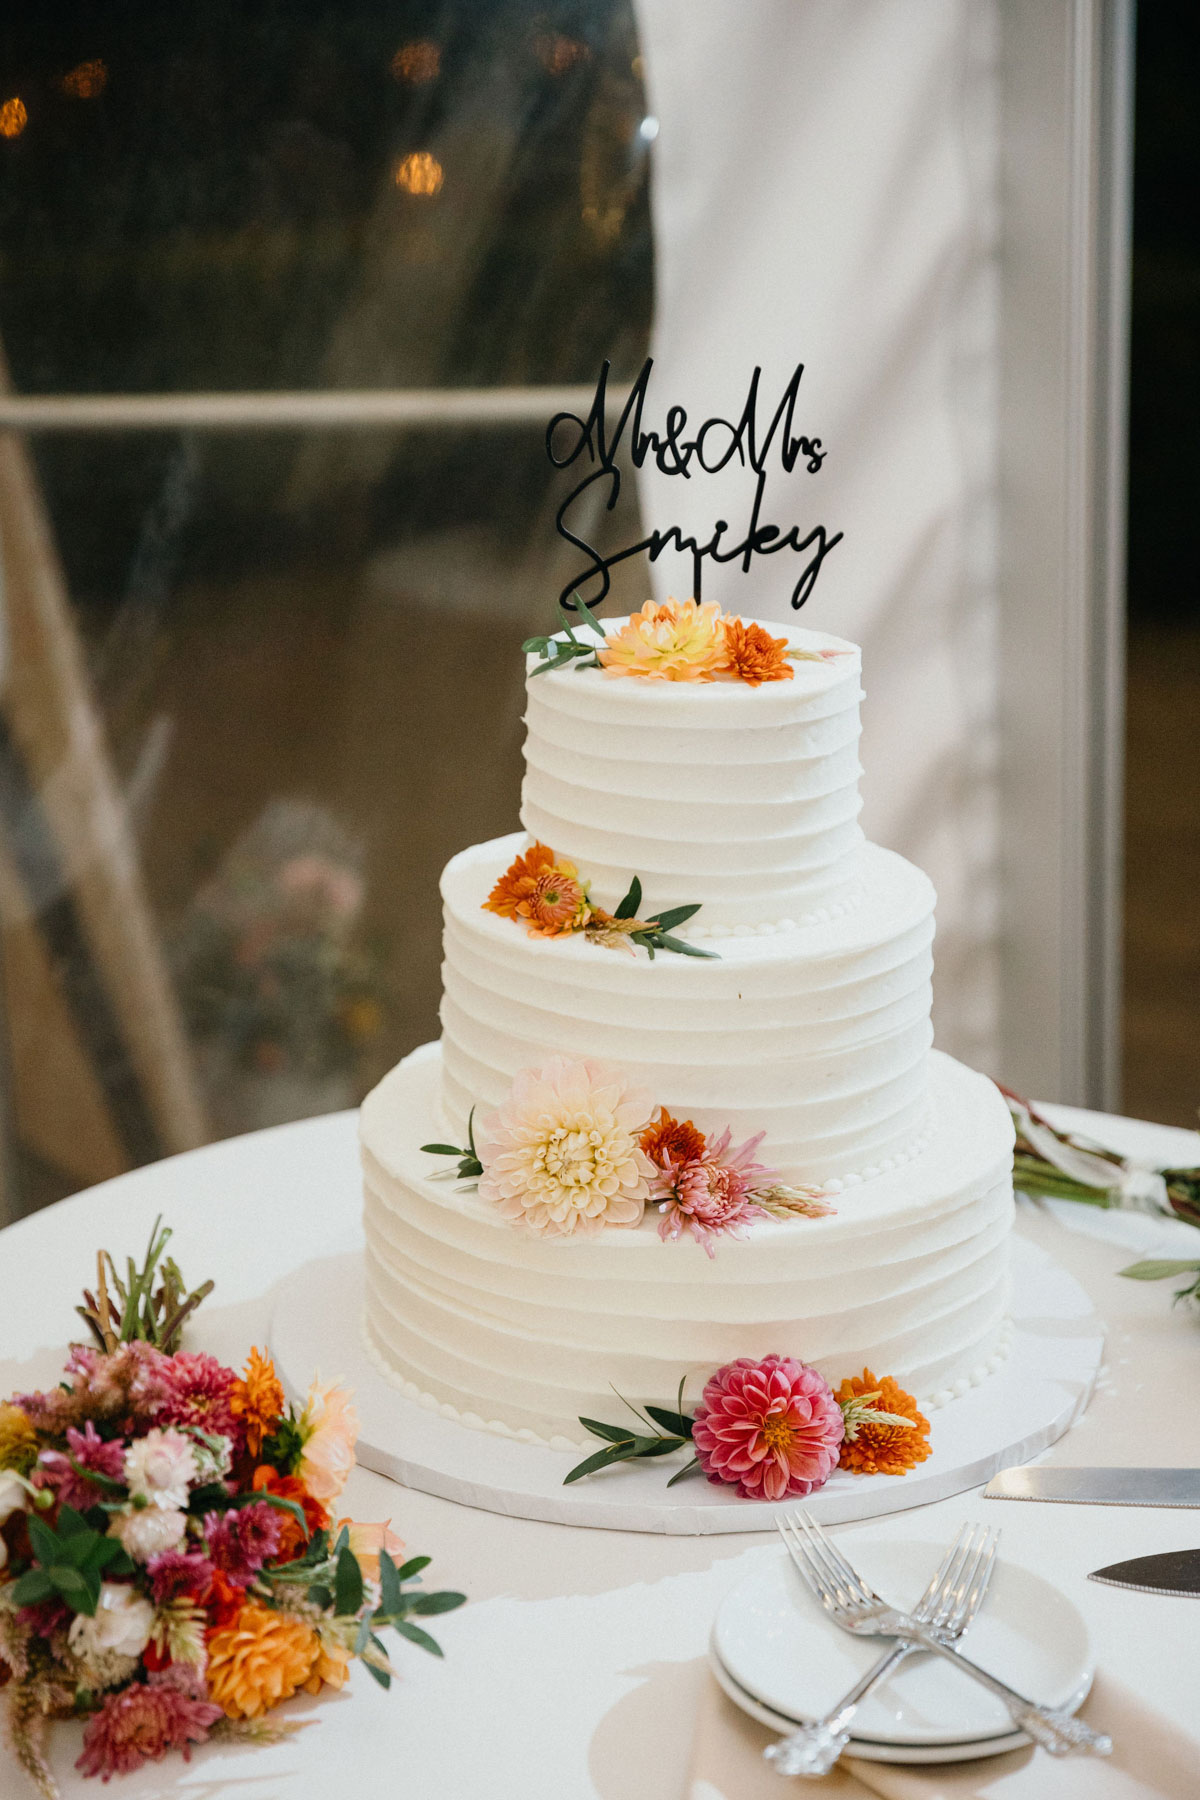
1030	1401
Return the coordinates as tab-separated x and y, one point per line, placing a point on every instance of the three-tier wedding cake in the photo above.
867	1226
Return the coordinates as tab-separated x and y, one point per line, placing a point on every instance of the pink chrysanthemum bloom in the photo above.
145	1720
713	1195
91	1452
242	1540
772	1429
561	1155
200	1393
179	1575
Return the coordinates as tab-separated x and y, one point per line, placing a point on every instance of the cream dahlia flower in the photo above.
671	640
562	1155
145	1531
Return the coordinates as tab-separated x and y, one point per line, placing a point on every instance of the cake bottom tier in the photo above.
522	1334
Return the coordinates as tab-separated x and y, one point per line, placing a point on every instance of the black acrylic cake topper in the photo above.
710	448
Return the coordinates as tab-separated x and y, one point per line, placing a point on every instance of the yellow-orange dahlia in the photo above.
257	1400
331	1667
875	1447
544	890
753	655
262	1658
679	640
18	1439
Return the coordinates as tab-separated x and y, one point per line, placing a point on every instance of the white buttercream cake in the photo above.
810	1023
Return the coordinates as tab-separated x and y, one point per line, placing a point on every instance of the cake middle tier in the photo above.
817	1034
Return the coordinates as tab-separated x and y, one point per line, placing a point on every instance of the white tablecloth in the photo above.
574	1672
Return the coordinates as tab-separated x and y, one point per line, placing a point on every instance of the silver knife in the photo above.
1173	1572
1100	1487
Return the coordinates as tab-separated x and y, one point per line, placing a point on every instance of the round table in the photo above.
573	1673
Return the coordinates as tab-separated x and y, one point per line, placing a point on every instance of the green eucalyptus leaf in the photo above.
319	1595
31	1588
682	948
676	1422
1157	1269
687	1469
80	1588
71	1523
389	1584
44	1541
443	1149
379	1675
411	1568
415	1635
616	1434
676	915
602	1459
426	1605
628	907
348	1582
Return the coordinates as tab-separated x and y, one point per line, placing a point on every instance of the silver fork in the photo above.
953	1597
856	1607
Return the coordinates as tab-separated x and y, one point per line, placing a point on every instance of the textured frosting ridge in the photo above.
818	1035
910	1276
743	799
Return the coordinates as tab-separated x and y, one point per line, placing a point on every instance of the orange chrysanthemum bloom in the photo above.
544	891
680	640
874	1448
269	1481
257	1400
667	1140
331	1667
753	655
263	1657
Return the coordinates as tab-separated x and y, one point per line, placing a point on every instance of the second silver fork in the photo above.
949	1603
853	1605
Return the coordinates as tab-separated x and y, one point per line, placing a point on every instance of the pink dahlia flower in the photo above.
713	1195
91	1453
772	1429
241	1540
179	1575
200	1394
561	1155
142	1722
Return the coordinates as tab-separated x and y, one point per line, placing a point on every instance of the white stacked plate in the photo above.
779	1657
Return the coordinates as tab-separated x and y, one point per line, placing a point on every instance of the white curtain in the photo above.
824	192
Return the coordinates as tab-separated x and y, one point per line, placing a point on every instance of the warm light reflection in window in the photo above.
12	118
558	54
419	173
418	62
85	80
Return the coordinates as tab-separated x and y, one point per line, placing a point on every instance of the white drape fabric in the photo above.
824	192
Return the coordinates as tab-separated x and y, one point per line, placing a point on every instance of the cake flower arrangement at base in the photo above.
171	1567
576	1149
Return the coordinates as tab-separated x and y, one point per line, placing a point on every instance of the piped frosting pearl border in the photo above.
820	915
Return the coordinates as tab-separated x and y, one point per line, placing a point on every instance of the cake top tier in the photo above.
741	797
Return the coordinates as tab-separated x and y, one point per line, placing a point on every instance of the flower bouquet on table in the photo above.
171	1567
1064	1165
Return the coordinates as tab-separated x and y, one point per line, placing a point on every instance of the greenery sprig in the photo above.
650	934
667	1430
331	1576
469	1166
133	1309
556	653
71	1558
1162	1269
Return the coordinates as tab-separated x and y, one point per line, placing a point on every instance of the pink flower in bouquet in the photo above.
147	1531
128	1385
179	1575
160	1468
200	1394
146	1720
771	1429
241	1540
329	1428
562	1155
367	1541
92	1453
714	1194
